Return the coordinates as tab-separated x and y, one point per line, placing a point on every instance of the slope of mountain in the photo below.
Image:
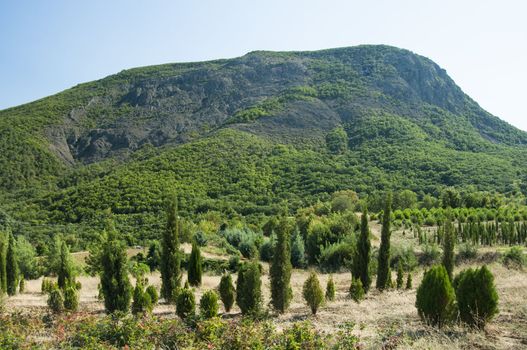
247	135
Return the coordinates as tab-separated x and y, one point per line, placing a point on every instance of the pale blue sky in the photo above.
48	46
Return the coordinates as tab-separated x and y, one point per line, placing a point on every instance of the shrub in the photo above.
312	292
195	268
56	301
227	292
248	249
280	269
405	255
141	300
298	254
467	252
514	258
409	281
330	289
266	250
208	304
430	255
47	286
22	285
71	299
400	275
435	297
234	263
152	292
335	256
185	303
356	290
201	238
477	298
249	288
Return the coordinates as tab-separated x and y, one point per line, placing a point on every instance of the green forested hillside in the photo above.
248	136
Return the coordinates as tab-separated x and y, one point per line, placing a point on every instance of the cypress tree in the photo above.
361	266
208	304
185	303
195	266
312	292
448	249
115	284
280	271
249	288
356	290
330	289
227	291
170	257
65	275
409	281
383	266
3	271
435	299
400	275
11	267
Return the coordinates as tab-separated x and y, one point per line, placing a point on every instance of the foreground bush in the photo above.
312	292
71	298
249	288
356	290
208	304
227	291
476	295
56	301
185	303
435	297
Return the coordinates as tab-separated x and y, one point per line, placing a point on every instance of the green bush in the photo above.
266	250
227	292
195	266
330	289
56	301
514	258
312	292
430	256
249	289
466	252
208	304
409	281
185	303
405	255
248	250
477	298
336	256
298	254
152	292
435	300
71	298
356	290
400	275
141	302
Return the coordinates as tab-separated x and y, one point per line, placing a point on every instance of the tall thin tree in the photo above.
170	256
11	267
280	271
65	274
383	266
361	262
3	271
448	247
195	266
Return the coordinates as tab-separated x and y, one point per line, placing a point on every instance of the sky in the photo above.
49	46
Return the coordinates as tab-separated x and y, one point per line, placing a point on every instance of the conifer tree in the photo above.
115	284
448	248
227	291
3	271
195	266
330	289
361	261
170	257
312	292
409	281
356	290
400	274
11	267
208	304
383	266
435	299
249	288
280	271
65	275
185	303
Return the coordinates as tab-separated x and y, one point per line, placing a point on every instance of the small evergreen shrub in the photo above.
234	263
208	304
227	292
298	252
266	250
22	285
249	289
56	301
409	281
248	250
71	299
435	297
195	266
185	303
141	302
476	295
467	252
335	256
154	295
430	256
400	275
312	292
330	289
514	258
356	290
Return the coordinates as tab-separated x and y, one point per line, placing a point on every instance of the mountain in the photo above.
247	136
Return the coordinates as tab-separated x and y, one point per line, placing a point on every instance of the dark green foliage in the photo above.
47	286
514	258
185	303
336	256
142	301
312	292
208	304
22	285
330	289
337	141
477	298
170	266
71	298
383	265
361	260
280	269
249	288
227	291
400	275
467	252
298	255
153	258
152	292
448	248
115	285
430	255
266	250
3	271
409	281
56	300
435	300
11	267
356	290
195	268
65	272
